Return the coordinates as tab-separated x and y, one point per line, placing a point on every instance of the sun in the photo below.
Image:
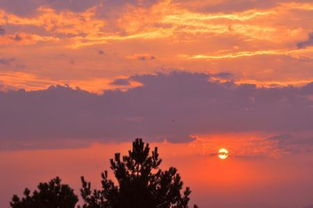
223	153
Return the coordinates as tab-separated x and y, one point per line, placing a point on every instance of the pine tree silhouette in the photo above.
49	195
141	183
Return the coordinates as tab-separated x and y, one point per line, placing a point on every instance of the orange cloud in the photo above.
182	37
31	82
292	53
25	39
296	5
21	80
63	22
162	20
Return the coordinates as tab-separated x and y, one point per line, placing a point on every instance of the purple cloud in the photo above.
123	82
6	61
306	43
2	31
28	7
168	106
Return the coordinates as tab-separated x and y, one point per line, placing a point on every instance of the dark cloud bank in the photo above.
168	106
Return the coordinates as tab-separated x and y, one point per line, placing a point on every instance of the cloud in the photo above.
120	82
25	39
6	61
57	22
29	7
100	52
227	5
2	31
145	58
224	75
299	143
142	57
96	22
171	106
306	43
17	37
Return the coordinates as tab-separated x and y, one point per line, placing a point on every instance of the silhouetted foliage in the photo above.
141	183
49	195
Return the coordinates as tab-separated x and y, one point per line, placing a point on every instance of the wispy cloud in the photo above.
139	37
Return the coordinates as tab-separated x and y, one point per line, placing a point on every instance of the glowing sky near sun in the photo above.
248	178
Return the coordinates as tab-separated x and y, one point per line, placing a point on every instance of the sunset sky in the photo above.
80	79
